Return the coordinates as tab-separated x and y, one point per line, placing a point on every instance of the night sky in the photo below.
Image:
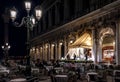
17	35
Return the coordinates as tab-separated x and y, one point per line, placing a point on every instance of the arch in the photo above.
107	40
106	31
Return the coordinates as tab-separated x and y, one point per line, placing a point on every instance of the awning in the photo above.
84	41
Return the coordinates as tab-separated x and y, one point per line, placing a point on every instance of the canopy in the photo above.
84	41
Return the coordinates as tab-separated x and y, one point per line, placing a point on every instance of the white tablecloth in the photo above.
35	70
49	67
18	80
92	73
61	76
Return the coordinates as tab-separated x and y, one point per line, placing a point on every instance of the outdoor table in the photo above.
22	66
49	68
61	78
18	80
58	69
35	70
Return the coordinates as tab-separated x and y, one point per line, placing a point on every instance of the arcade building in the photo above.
74	27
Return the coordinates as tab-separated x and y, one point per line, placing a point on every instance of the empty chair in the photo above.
61	78
92	77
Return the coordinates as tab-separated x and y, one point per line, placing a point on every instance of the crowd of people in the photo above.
68	67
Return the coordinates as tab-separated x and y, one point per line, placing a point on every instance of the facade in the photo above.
67	25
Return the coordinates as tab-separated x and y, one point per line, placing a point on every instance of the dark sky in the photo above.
17	36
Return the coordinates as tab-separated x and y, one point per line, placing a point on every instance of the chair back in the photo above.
92	77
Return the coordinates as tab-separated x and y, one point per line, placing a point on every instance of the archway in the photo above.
107	42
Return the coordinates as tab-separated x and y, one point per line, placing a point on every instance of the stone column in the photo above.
35	55
40	49
98	47
65	46
43	52
56	51
117	55
38	53
48	52
94	46
31	54
99	59
52	51
59	50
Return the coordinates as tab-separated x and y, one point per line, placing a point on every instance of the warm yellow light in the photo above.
53	45
9	47
38	13
28	5
46	46
33	49
33	20
13	13
3	47
41	48
114	43
61	43
6	44
71	41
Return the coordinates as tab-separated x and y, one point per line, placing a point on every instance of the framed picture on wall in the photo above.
108	53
